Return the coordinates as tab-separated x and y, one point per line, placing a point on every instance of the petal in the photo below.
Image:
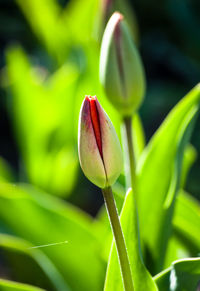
112	153
90	158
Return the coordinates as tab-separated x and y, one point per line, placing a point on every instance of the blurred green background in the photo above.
49	60
168	36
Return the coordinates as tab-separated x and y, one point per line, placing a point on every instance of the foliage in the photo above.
43	105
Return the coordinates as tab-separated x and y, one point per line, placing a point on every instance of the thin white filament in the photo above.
49	245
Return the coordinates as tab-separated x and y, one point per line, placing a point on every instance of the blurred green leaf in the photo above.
45	21
42	219
183	275
6	173
176	249
43	117
181	245
6	285
190	155
141	278
85	12
185	241
24	260
48	19
159	176
186	220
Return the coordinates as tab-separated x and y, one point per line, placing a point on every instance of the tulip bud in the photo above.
121	70
106	9
99	149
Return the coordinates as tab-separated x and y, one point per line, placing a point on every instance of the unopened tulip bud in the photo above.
108	7
98	145
121	70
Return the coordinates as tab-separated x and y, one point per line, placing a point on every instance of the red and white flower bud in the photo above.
99	148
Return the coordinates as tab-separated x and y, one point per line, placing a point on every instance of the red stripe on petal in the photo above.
95	122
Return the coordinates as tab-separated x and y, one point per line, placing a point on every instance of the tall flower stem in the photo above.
131	171
131	156
119	238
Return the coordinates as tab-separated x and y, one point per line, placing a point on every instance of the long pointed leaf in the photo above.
6	285
24	260
159	176
186	221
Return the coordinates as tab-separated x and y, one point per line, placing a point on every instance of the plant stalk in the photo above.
132	173
131	155
119	238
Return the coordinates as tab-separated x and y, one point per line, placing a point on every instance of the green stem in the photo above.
133	181
119	239
131	156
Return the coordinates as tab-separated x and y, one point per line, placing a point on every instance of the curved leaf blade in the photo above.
186	221
24	261
183	275
44	220
159	174
6	285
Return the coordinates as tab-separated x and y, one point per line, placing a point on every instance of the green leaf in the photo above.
163	280
185	241
45	145
85	12
176	250
6	173
45	21
159	173
186	220
42	220
48	18
189	158
183	275
141	278
6	285
24	260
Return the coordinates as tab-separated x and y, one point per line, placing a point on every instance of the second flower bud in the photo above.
121	70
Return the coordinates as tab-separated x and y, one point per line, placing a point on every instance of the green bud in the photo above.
121	70
99	149
108	7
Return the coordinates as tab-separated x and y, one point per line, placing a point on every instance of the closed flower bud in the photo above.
106	9
121	70
98	145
